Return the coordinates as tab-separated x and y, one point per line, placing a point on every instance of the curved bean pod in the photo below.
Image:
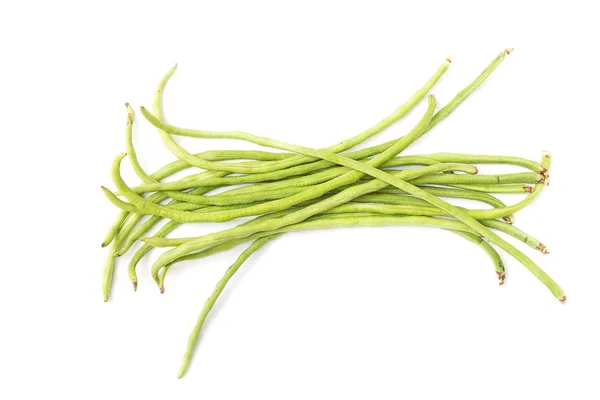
257	167
210	302
403	185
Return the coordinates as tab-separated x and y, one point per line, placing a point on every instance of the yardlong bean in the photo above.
296	188
387	209
259	167
452	193
395	181
210	302
444	112
313	192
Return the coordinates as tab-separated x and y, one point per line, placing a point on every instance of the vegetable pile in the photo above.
304	188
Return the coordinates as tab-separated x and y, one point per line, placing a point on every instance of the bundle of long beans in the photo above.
305	188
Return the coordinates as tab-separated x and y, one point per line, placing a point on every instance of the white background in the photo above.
360	313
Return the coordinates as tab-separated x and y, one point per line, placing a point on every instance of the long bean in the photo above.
444	112
386	209
486	159
402	200
493	188
257	167
114	228
341	216
325	172
397	182
443	192
489	250
314	192
210	302
296	188
452	179
143	228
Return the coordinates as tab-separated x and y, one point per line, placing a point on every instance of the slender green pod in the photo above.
445	111
257	167
304	172
345	196
135	164
108	272
385	209
114	228
493	188
313	192
321	222
143	228
453	179
181	212
341	216
210	302
140	230
486	159
139	171
458	194
489	250
295	180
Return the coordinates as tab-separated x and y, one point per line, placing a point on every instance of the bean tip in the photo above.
508	220
104	244
501	276
543	249
105	298
563	299
448	59
475	170
527	189
162	288
134	286
507	51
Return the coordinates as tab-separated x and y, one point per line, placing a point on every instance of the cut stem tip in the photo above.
134	286
563	299
543	248
105	298
501	276
162	288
